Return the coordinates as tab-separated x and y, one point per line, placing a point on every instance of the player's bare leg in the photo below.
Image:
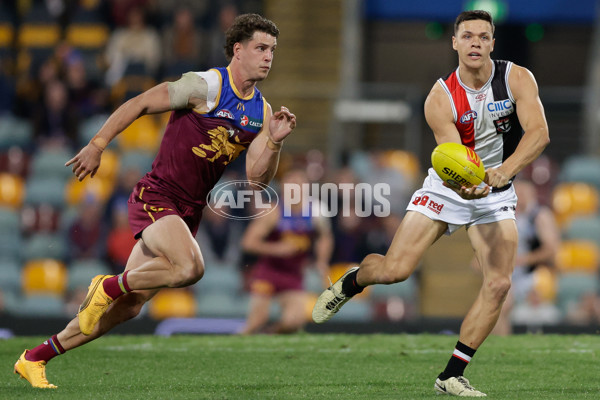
32	366
413	237
293	312
495	247
258	314
178	263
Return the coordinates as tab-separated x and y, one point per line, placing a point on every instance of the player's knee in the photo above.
498	288
187	273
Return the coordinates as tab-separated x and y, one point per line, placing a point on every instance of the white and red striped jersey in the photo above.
486	118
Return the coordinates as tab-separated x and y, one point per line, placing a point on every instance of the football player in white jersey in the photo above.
487	211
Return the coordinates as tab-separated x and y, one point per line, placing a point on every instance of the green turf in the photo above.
307	367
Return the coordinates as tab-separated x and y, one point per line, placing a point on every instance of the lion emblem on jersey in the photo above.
220	146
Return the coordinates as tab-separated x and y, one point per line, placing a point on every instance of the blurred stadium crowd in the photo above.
65	65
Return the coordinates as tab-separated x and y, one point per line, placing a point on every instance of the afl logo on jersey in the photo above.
468	117
244	120
224	114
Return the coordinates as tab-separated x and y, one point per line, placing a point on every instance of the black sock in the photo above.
349	286
458	362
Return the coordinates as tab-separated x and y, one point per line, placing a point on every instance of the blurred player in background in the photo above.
283	242
216	114
492	107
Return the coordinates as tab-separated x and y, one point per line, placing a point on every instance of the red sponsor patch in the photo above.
244	120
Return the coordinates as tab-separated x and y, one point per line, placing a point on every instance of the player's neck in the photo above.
242	84
475	78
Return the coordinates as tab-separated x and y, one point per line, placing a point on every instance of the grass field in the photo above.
307	366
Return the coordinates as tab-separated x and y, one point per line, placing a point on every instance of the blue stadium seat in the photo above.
586	228
215	304
10	220
51	164
406	290
39	306
45	191
581	169
313	281
11	245
15	132
220	278
10	275
89	127
43	245
571	286
355	311
81	272
135	159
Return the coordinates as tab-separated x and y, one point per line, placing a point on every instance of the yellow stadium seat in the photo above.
12	190
578	255
77	191
38	35
6	34
337	270
574	199
109	166
545	283
44	276
403	161
142	135
173	303
87	35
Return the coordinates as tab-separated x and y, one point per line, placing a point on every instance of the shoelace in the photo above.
465	383
333	305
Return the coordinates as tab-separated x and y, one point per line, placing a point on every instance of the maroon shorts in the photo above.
146	205
269	281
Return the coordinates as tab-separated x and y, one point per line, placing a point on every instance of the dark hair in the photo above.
243	29
473	15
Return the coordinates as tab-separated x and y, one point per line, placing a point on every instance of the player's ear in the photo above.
493	43
236	49
454	42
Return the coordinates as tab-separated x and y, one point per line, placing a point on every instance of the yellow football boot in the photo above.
94	306
33	371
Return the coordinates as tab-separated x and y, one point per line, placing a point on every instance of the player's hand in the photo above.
495	177
471	193
281	124
86	162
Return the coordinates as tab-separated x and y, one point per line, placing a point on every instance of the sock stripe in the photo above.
460	355
56	345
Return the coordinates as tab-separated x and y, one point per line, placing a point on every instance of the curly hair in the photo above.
243	29
472	15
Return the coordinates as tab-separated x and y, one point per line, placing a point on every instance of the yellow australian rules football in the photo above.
457	165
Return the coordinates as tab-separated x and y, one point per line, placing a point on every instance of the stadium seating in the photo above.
11	245
89	127
49	191
10	221
573	199
578	255
42	218
571	286
15	132
51	164
581	168
10	275
172	303
44	276
586	228
222	278
82	271
99	188
137	159
12	190
142	135
220	304
44	245
39	306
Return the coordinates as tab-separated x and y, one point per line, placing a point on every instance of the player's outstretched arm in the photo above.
87	161
533	121
263	153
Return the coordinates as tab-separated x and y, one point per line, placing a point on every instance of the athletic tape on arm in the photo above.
190	85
